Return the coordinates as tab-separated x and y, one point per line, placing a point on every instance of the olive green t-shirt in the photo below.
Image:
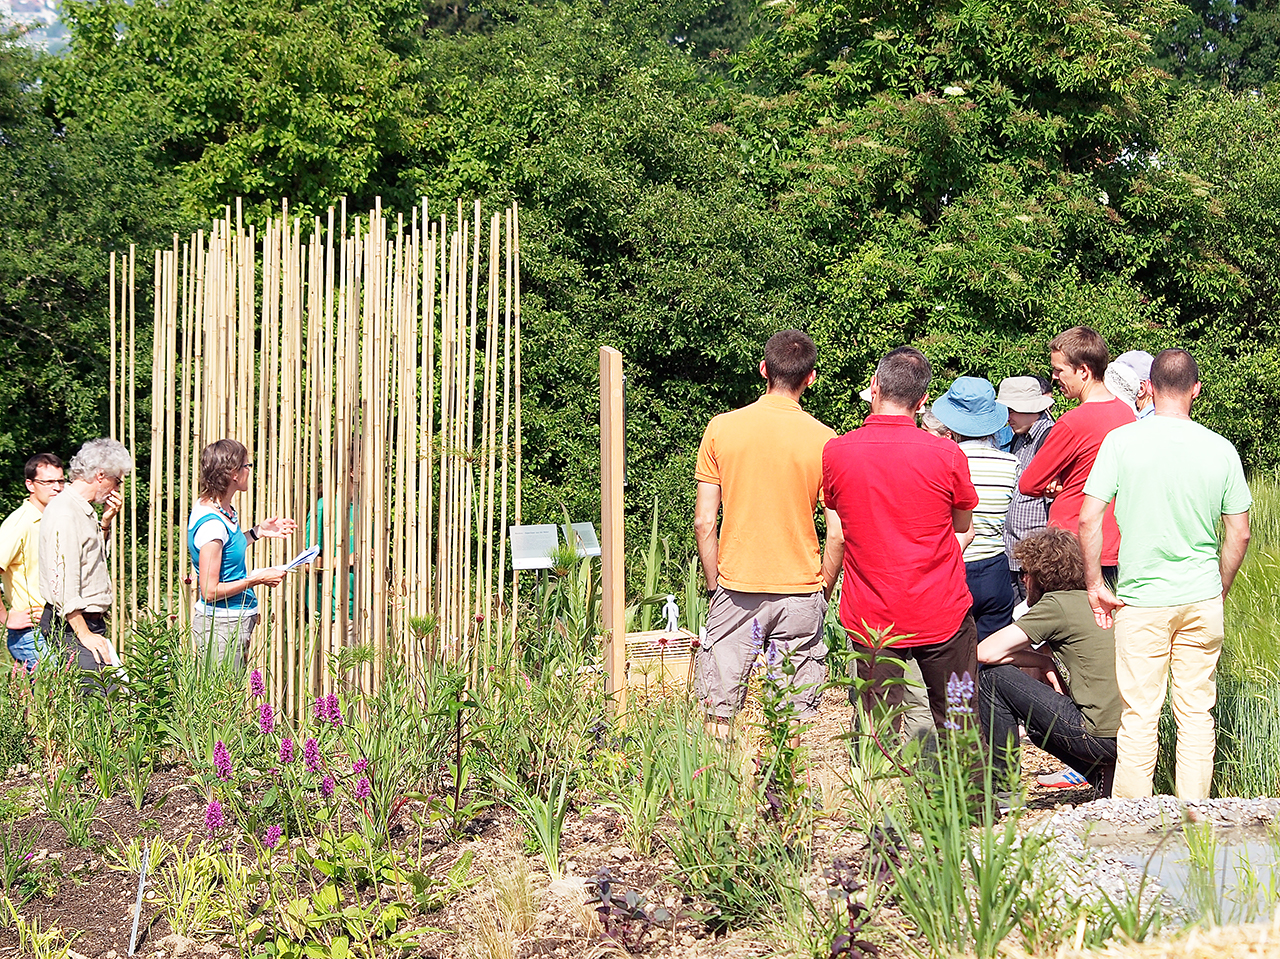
1064	620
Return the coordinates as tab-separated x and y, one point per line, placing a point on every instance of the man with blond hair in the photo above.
1171	481
1079	358
19	559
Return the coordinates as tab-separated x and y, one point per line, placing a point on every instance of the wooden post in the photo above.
612	551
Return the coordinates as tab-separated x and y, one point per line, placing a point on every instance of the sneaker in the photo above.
1063	779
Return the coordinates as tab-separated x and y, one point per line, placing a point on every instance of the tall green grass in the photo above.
1253	608
1248	710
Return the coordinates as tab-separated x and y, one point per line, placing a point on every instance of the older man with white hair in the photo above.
74	578
1128	376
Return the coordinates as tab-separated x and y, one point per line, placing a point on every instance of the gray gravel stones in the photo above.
1087	842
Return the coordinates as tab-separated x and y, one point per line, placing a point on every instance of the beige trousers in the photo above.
1151	643
223	639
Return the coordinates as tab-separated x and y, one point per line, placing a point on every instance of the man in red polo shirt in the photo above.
902	494
1079	357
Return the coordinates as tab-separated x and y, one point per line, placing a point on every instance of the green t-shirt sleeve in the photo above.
1236	497
1041	621
1104	477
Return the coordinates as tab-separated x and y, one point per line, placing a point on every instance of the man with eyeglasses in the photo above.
19	563
74	577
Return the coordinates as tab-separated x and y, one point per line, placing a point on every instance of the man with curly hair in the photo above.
75	580
1074	715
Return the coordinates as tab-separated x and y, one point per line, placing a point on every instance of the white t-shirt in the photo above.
212	533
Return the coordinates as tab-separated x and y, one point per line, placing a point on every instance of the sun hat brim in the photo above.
967	423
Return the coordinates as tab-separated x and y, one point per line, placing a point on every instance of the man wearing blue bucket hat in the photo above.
970	411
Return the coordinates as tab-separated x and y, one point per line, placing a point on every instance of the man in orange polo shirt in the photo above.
760	473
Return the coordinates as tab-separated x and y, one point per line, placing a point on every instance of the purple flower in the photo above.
221	760
266	719
359	766
213	819
757	633
333	710
326	786
959	697
257	688
364	789
773	659
319	710
286	751
272	837
311	755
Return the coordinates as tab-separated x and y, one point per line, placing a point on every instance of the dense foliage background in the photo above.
970	175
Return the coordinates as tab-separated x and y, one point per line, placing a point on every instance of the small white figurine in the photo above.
672	612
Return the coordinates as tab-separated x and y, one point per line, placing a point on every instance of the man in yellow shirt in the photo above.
759	473
19	560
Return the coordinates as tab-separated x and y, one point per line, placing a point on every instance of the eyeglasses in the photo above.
57	482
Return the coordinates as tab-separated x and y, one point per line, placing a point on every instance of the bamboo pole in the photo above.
470	490
427	412
359	388
515	580
132	601
506	438
490	415
169	356
159	298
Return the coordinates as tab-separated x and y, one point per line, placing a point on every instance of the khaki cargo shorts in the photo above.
792	621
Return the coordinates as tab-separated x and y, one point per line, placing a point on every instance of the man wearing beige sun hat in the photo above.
1029	418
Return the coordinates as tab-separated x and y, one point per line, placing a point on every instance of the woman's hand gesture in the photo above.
277	527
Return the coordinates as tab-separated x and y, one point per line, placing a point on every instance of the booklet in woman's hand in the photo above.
306	556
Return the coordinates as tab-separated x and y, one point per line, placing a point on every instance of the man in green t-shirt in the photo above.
1171	480
1072	715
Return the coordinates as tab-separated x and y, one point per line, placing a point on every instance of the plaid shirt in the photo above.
1026	513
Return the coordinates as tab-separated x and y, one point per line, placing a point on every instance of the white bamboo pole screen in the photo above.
378	393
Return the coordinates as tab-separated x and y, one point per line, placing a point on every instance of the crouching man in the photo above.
1073	717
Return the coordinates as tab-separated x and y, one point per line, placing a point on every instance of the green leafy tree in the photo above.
72	194
636	233
1222	43
974	178
1230	145
263	100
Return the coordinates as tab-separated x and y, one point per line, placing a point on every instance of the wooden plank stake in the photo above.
612	555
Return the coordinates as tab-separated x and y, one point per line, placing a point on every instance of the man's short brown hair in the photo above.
903	376
1174	372
789	358
1083	346
1053	557
41	459
219	463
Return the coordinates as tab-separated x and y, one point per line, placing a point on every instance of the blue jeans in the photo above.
992	593
26	646
1008	697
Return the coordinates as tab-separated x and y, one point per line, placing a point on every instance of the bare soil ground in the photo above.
94	903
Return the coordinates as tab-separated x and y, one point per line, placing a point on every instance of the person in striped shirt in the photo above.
1028	399
970	411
